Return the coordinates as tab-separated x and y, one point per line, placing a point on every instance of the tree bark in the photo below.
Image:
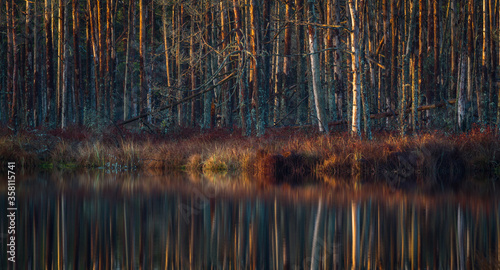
65	62
315	70
49	65
356	80
142	55
77	66
242	84
409	51
338	79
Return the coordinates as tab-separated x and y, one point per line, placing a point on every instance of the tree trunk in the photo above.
130	25
65	62
409	51
49	65
28	65
356	80
165	44
338	80
209	67
142	54
483	102
76	71
60	62
96	56
315	70
37	93
470	61
287	61
301	66
242	84
192	78
227	105
10	62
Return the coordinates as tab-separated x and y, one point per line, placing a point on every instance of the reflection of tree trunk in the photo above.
460	236
355	235
315	71
315	241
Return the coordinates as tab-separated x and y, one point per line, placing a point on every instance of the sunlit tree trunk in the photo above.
287	61
37	93
28	106
100	51
461	93
483	102
242	84
110	57
65	62
498	94
419	72
356	79
128	67
225	97
209	66
315	70
96	57
165	44
301	66
60	61
142	57
76	65
192	79
393	55
10	62
338	79
409	51
49	65
256	80
453	49
365	86
178	16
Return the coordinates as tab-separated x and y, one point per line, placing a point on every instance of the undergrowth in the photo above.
282	154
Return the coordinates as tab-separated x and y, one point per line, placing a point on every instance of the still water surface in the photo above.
93	220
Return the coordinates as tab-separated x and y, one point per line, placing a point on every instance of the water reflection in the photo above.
95	221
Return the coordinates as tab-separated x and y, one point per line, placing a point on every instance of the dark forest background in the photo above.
250	64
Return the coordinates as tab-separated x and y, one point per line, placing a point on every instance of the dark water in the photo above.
94	220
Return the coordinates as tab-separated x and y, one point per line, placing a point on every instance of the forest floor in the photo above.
286	155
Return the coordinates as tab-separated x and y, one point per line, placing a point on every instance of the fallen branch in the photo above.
390	114
178	102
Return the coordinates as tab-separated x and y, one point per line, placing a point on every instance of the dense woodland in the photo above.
250	64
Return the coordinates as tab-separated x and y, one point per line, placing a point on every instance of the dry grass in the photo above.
280	155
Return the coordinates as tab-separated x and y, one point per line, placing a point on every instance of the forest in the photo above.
253	86
250	64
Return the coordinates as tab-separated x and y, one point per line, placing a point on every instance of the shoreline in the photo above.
281	156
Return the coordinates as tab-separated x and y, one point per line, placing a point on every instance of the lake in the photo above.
99	220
